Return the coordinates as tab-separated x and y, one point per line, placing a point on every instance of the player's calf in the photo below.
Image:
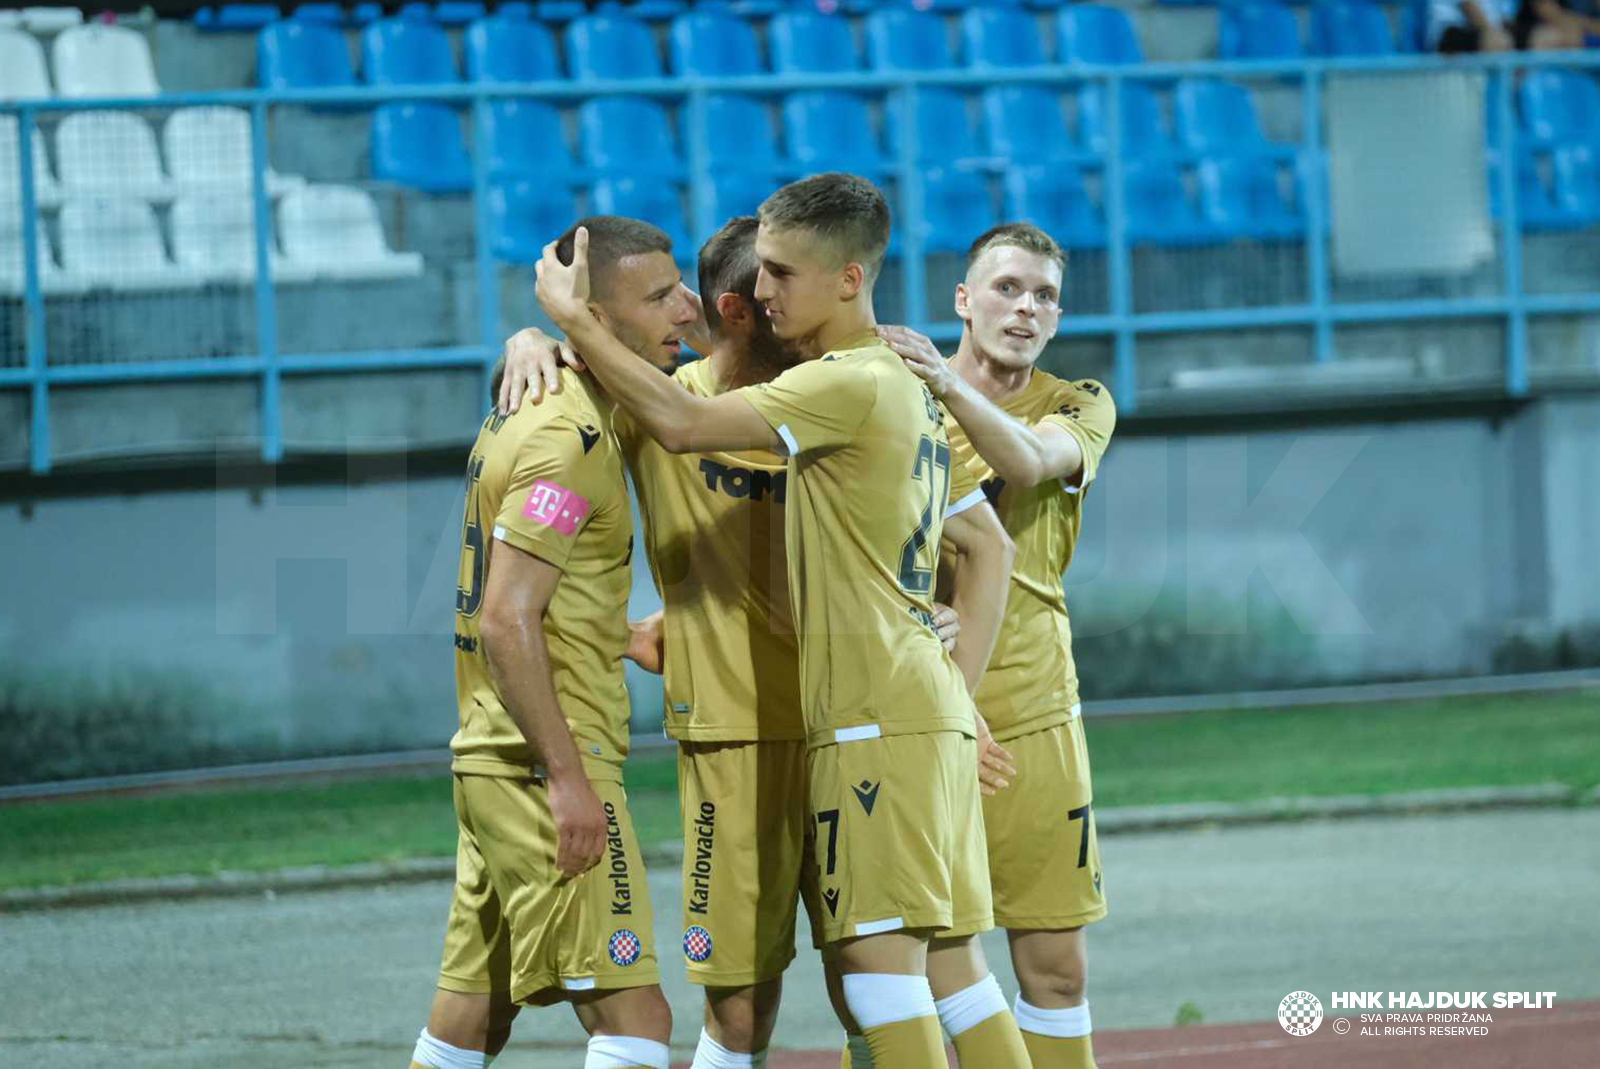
1052	970
738	1026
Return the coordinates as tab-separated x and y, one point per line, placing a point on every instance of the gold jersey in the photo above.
1032	682
870	484
713	526
548	480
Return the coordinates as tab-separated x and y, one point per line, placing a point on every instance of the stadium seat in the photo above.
1159	211
302	54
1053	197
1240	197
1096	33
829	129
944	130
103	61
514	9
214	237
333	232
13	267
50	18
420	145
1413	35
110	154
644	10
1143	132
1027	122
22	69
506	49
1000	37
1575	186
326	14
1218	117
733	193
210	147
754	146
607	46
46	191
525	216
628	134
712	44
956	207
458	12
233	17
415	11
116	242
559	11
406	52
805	42
904	39
652	200
1257	31
1559	106
1350	28
525	137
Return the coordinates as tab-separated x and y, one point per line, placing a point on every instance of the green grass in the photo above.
1227	756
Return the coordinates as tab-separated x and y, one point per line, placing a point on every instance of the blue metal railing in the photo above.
1122	322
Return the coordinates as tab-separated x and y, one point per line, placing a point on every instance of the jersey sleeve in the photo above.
1086	411
560	480
819	404
965	489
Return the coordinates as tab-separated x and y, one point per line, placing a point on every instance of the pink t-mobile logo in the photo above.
553	505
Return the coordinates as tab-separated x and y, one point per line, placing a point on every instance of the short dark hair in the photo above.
846	211
728	264
612	238
1023	236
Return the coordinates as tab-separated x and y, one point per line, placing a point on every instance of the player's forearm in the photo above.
980	587
519	666
1014	451
666	411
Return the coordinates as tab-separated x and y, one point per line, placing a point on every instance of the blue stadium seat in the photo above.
1001	37
611	46
420	145
713	44
652	200
1559	106
1158	206
328	14
828	129
944	130
361	14
297	54
1350	28
956	207
1096	33
1258	31
1026	122
1575	185
1218	117
805	42
406	52
1143	132
644	10
1240	198
525	216
754	146
458	12
733	193
415	11
515	9
1413	36
504	49
628	134
1053	197
525	137
1536	208
904	39
559	11
233	17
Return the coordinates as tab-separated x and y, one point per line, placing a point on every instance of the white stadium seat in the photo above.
13	277
117	243
209	148
103	61
334	232
46	190
22	70
214	234
110	153
51	19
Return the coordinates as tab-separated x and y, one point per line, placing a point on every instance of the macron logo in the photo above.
553	505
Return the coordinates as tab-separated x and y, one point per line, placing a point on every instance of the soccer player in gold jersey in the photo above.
893	737
551	901
1037	441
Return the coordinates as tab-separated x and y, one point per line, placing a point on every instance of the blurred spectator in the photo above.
1502	25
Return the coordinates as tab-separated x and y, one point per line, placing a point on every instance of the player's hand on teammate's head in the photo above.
921	356
646	643
580	824
946	624
533	366
563	289
996	766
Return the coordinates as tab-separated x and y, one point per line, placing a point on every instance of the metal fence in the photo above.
1213	288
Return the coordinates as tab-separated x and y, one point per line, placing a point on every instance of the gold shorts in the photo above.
897	833
517	926
1044	854
744	849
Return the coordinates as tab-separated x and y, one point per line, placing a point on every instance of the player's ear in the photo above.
962	297
734	309
851	280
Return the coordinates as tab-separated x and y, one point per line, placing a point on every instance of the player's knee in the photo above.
654	1016
1059	983
743	1016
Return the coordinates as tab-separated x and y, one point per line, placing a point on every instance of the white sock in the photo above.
713	1055
860	1053
1063	1024
877	998
437	1054
971	1006
619	1052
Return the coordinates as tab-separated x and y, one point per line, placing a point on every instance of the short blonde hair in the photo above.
1023	236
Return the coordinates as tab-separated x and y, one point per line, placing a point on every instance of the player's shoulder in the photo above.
1055	395
575	417
696	377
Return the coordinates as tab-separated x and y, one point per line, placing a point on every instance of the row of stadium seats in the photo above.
326	233
88	61
113	153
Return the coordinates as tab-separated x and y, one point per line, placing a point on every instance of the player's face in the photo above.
648	307
799	284
1011	303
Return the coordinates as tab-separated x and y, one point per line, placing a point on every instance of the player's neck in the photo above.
853	321
997	382
734	364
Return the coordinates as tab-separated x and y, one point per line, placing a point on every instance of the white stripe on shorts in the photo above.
888	924
856	734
